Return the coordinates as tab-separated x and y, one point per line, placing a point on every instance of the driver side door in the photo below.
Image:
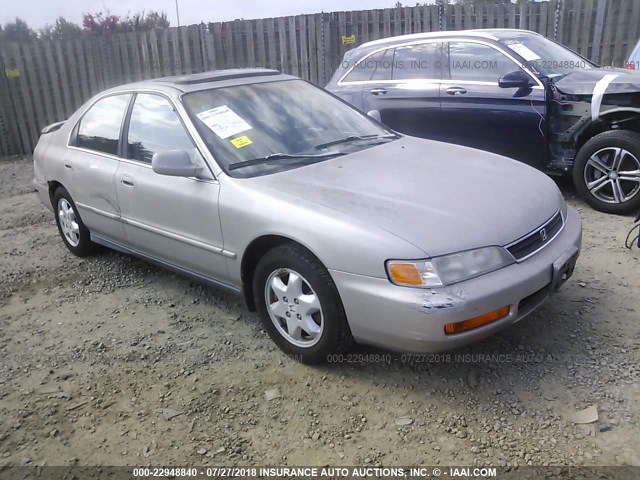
478	113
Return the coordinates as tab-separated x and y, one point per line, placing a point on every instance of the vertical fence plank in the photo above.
293	46
250	42
56	87
24	102
43	84
304	46
622	22
609	29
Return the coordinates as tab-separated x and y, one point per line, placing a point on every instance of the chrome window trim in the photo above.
504	52
434	36
386	47
444	39
535	231
180	112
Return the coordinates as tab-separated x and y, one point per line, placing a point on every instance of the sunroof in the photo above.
217	76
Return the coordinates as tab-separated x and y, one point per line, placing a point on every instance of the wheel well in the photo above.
252	255
53	186
615	121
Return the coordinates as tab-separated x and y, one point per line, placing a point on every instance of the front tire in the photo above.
606	172
299	304
75	235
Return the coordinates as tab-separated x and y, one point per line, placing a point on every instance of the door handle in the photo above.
378	91
127	181
456	91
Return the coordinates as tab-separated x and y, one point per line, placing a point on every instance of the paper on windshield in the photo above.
223	121
524	52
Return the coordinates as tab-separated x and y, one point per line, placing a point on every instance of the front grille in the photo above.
537	239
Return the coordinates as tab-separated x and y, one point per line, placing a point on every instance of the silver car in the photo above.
331	226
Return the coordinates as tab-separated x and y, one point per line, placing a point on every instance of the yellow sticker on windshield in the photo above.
242	141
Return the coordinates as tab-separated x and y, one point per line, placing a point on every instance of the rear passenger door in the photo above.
171	219
478	113
405	88
91	162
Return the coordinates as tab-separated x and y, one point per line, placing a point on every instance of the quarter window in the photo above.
478	62
417	61
99	128
155	127
375	67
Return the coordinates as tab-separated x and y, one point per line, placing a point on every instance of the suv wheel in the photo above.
73	232
299	304
606	172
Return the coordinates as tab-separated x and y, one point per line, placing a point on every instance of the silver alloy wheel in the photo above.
612	175
68	223
294	307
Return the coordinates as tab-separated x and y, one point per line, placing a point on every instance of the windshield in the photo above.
547	57
261	128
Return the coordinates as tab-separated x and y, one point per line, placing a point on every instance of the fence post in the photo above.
442	19
598	31
556	23
325	30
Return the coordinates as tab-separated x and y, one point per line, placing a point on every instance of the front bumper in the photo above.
413	319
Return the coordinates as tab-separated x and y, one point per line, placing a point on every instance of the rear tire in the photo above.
75	235
299	304
606	172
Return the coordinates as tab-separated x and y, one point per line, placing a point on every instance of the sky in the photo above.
37	13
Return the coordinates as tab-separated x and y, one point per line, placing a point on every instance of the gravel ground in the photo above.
111	361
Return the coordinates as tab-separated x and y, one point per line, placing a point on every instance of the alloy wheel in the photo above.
294	307
68	223
612	175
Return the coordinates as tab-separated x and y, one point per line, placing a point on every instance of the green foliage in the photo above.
61	30
17	31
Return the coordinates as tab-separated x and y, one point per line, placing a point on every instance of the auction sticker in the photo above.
523	51
223	121
242	141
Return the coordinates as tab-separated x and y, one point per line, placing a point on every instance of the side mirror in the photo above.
375	114
517	79
176	163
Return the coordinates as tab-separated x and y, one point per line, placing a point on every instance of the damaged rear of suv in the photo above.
511	92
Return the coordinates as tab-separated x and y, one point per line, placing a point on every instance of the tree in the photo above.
61	30
99	23
17	31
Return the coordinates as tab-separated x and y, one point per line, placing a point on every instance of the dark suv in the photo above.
511	92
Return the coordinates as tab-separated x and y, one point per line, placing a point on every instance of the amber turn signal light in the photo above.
405	274
466	325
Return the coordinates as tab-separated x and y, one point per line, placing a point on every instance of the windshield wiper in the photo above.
281	156
353	138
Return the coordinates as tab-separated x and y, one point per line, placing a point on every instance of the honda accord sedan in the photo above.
511	92
331	226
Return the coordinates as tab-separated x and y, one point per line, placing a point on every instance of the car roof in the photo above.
207	80
491	34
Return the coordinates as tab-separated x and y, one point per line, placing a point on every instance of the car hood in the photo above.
442	198
583	82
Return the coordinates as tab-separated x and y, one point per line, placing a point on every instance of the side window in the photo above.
417	61
477	62
99	128
154	126
375	67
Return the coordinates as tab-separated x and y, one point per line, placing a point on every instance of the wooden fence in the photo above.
43	82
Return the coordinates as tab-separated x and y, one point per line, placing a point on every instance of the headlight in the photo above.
448	269
563	206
